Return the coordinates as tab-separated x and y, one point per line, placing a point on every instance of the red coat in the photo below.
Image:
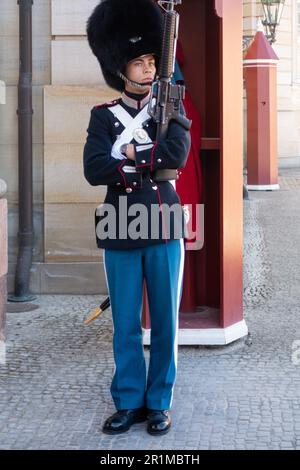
189	184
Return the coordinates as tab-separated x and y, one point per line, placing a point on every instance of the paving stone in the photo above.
54	387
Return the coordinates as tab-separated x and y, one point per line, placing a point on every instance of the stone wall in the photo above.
288	91
9	66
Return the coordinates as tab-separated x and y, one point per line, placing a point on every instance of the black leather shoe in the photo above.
122	420
159	422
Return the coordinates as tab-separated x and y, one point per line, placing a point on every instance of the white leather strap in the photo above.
130	125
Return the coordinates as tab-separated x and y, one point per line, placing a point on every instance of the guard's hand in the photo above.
130	152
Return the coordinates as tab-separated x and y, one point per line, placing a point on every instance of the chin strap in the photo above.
133	83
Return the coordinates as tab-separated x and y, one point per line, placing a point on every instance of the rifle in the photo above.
97	311
166	106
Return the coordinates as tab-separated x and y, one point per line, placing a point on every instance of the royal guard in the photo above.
124	153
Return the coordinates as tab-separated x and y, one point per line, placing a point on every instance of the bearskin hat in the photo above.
119	31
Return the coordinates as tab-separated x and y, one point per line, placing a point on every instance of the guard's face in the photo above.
141	70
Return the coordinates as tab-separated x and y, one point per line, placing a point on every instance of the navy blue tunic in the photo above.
124	189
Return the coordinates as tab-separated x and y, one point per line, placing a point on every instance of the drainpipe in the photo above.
25	111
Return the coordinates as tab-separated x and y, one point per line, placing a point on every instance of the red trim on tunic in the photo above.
122	174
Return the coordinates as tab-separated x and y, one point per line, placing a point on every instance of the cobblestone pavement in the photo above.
55	384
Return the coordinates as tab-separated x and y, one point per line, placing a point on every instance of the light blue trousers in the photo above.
162	267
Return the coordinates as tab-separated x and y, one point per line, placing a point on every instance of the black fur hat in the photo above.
121	30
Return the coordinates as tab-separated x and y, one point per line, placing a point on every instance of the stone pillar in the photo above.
3	267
